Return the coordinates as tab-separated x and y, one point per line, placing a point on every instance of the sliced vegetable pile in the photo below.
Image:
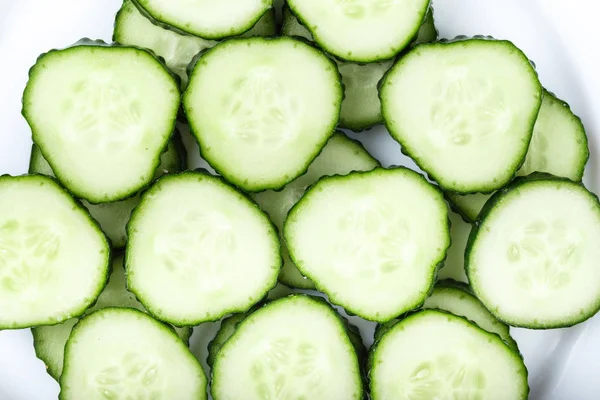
296	201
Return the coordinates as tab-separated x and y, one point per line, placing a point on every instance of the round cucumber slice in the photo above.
444	357
101	116
532	257
372	241
262	109
364	31
198	250
121	353
473	100
295	347
54	259
207	19
340	156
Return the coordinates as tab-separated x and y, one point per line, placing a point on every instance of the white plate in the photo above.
559	36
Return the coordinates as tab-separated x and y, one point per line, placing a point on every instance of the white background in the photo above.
560	36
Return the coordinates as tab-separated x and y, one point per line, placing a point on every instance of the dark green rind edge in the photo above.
77	206
487	209
491	337
198	134
88	319
178	28
395	50
317	301
462	212
199	174
459	39
307	283
99	43
435	267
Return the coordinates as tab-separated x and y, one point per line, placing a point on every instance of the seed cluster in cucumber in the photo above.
494	230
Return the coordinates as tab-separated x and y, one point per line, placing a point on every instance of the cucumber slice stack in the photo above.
296	201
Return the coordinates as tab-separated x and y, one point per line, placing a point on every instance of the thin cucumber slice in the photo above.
454	265
559	147
262	109
532	257
122	353
372	241
178	50
198	250
54	259
113	217
361	108
101	116
473	100
49	341
340	156
209	20
361	31
444	357
295	347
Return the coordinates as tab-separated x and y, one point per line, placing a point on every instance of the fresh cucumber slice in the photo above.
361	108
559	147
444	357
262	109
198	250
49	341
372	241
340	156
122	353
532	257
361	31
454	265
101	116
209	20
113	217
295	347
473	100
53	257
178	50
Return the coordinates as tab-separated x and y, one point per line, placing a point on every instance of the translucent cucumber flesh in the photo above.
454	265
339	157
53	258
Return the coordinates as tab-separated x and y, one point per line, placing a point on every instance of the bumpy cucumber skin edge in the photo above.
435	266
318	302
491	337
163	23
394	51
196	133
408	152
82	322
203	174
85	42
94	224
464	214
487	209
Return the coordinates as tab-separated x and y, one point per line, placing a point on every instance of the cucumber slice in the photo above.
444	357
559	147
361	31
532	257
454	265
262	109
178	50
191	240
113	217
53	257
101	116
372	241
473	100
340	156
295	347
209	20
361	108
49	341
123	353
